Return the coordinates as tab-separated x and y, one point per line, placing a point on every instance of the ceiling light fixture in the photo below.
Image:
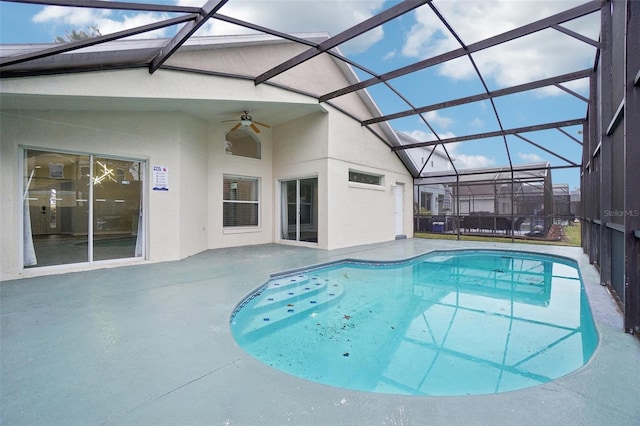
246	119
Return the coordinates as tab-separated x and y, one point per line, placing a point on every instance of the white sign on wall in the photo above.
160	178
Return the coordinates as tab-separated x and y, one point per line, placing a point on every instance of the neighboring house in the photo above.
428	198
112	167
489	191
480	198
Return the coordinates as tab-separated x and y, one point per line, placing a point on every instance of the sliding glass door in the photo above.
80	208
55	208
117	204
299	210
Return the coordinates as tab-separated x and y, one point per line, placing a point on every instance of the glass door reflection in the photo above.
299	210
55	208
80	208
116	208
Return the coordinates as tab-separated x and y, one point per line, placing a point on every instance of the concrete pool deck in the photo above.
151	344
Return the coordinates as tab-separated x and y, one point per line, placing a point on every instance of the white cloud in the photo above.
468	161
434	117
422	136
390	55
463	161
540	55
477	122
76	18
332	16
530	157
111	26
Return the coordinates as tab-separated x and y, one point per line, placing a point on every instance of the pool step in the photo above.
274	295
268	313
287	282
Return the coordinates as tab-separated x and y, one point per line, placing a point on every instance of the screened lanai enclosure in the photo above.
497	120
519	203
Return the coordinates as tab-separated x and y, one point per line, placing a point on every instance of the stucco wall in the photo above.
9	197
168	139
193	186
349	214
169	119
300	151
252	60
362	214
220	164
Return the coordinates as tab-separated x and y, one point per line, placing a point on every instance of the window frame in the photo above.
364	183
258	182
228	149
87	203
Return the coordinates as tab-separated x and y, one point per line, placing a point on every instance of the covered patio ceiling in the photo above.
395	95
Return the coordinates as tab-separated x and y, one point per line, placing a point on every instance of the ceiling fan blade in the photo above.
255	128
262	124
228	121
235	127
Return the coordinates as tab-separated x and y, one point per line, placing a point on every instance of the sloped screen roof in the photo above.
466	78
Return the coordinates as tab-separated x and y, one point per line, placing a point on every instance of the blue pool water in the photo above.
445	323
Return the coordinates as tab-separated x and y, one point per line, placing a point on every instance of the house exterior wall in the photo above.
477	204
438	161
221	164
128	116
193	185
359	212
153	137
300	151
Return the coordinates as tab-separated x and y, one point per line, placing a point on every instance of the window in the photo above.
441	206
241	204
243	143
360	177
56	170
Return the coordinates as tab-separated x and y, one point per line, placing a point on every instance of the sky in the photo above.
415	36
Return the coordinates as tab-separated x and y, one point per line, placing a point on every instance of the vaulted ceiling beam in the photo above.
483	96
289	37
427	177
576	35
361	28
534	27
569	135
548	151
208	10
68	47
120	5
264	30
535	128
572	92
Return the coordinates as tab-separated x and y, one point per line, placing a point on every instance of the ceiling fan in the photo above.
247	121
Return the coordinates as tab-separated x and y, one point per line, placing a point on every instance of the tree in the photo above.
77	35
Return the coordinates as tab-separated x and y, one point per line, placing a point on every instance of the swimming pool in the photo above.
444	323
